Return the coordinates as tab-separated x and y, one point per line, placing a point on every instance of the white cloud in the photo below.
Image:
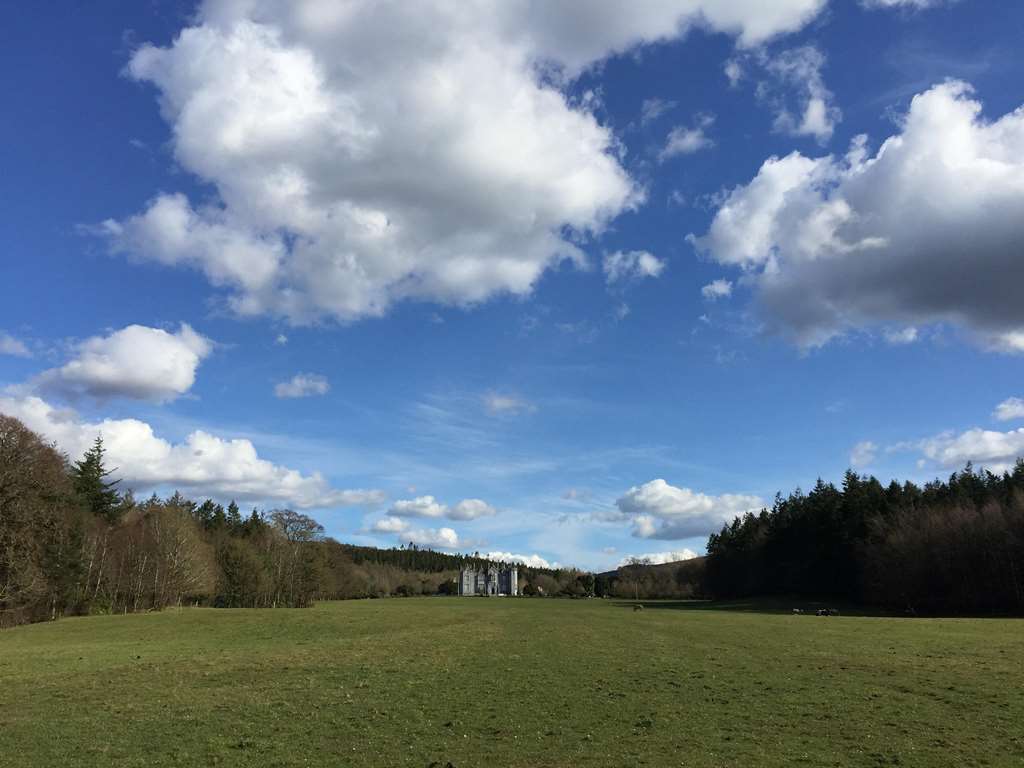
471	509
441	538
428	506
863	454
364	154
136	361
390	525
914	4
421	506
717	289
281	340
662	511
497	404
1010	409
302	385
203	464
800	68
928	230
902	336
685	141
12	346
530	561
625	265
734	72
660	558
652	109
995	451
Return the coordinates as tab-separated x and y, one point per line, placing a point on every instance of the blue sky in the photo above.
593	279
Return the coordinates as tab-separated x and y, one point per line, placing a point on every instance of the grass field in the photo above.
479	682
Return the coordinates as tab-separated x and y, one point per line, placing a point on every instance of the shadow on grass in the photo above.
777	606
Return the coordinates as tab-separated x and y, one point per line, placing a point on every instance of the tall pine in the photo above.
90	478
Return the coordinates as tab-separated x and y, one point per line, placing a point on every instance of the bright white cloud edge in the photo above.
203	464
350	173
136	362
835	244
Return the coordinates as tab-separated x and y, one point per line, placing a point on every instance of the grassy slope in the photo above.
510	683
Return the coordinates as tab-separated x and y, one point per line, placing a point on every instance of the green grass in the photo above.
497	682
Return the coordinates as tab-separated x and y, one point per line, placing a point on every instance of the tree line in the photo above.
954	546
949	547
72	542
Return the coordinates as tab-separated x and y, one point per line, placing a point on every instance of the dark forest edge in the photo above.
953	548
72	544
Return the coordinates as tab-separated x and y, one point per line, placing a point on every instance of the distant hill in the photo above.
672	567
679	579
413	558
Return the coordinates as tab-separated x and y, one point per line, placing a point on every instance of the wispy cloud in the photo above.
303	385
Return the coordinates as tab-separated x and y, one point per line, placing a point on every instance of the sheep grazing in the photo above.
797	611
638	607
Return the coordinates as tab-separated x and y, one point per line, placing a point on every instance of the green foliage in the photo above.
242	574
90	479
69	543
234	518
955	546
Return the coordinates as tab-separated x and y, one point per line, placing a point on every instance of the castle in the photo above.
490	580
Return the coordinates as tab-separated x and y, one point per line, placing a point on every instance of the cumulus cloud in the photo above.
136	362
497	404
993	450
662	511
12	346
626	265
685	141
439	538
1010	409
530	561
390	525
421	506
863	454
428	506
302	385
659	558
471	509
717	289
364	154
203	464
800	69
928	230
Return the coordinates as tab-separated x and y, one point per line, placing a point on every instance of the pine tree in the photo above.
90	479
234	518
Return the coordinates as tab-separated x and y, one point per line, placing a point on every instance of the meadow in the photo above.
507	682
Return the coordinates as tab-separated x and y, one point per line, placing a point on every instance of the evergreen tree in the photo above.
90	479
234	518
